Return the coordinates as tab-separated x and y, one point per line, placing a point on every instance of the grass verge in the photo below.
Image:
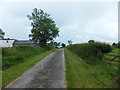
0	80
80	74
14	55
12	73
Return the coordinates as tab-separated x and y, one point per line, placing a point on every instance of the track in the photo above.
48	73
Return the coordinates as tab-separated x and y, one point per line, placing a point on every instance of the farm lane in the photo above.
48	73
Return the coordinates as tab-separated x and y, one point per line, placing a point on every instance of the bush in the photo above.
8	51
63	45
23	47
91	41
86	50
49	47
4	51
10	61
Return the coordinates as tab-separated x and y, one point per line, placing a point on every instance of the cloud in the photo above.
100	24
79	21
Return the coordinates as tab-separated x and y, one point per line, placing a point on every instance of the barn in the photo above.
6	42
14	43
23	42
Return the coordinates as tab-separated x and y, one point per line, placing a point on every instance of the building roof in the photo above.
23	42
7	39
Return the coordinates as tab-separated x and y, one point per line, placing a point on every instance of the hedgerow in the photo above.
94	49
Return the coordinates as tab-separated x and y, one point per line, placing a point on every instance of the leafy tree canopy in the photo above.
1	34
118	44
91	41
63	45
70	42
43	27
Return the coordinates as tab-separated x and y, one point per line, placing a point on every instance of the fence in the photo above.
113	59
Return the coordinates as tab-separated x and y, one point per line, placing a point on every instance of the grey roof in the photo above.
23	42
8	39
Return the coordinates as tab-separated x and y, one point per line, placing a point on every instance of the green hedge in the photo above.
86	50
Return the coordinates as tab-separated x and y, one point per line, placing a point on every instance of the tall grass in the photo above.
13	72
15	55
80	74
92	54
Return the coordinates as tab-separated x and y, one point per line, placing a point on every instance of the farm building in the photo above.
23	42
6	42
14	43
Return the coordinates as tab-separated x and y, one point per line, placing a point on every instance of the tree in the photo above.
63	45
56	44
1	34
114	45
91	41
43	27
118	45
70	42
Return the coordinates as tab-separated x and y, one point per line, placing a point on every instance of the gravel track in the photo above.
48	73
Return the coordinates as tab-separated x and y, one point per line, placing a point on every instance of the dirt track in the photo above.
48	73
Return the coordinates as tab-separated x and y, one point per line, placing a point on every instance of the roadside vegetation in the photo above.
17	60
85	67
14	55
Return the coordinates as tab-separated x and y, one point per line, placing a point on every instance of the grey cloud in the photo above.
77	21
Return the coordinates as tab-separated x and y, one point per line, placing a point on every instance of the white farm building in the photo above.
6	42
14	43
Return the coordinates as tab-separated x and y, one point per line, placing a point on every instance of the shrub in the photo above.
91	41
49	47
4	51
63	45
23	47
8	51
10	61
86	50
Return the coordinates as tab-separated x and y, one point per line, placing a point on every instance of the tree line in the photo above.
116	45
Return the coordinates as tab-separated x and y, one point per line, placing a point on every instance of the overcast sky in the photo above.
79	22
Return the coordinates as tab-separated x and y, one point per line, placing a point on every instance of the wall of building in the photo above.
6	43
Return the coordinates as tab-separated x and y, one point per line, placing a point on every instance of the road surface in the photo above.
48	73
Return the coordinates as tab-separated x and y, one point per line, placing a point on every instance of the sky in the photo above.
77	21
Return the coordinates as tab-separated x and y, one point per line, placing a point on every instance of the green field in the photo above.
80	74
30	58
114	52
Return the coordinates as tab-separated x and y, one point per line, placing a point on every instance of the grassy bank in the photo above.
82	74
16	70
0	79
94	49
15	55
